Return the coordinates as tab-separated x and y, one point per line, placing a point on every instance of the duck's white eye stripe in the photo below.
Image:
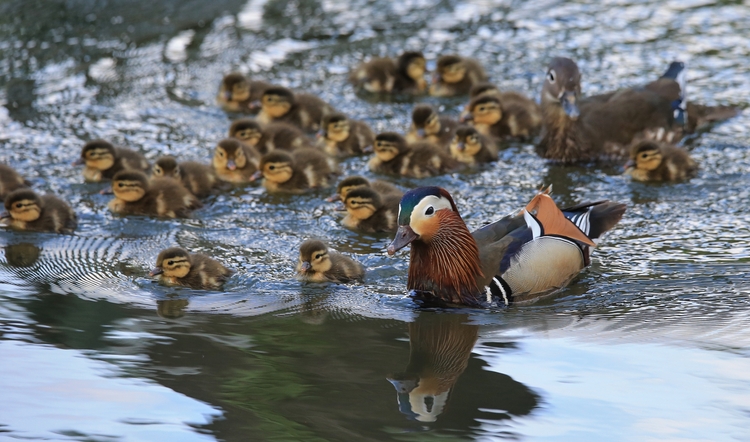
551	76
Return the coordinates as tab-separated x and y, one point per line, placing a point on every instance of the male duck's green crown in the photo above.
412	198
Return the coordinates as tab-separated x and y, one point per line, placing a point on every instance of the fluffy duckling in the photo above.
368	211
302	110
175	266
10	180
656	161
235	162
507	115
456	75
420	160
164	197
485	88
386	75
25	210
269	137
471	147
296	172
355	182
103	160
199	179
428	126
237	93
319	264
342	137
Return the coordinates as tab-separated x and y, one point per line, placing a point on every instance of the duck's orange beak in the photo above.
404	236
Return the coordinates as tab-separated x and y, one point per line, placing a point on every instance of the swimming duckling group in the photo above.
294	144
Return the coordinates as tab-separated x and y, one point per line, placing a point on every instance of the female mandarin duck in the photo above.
296	172
385	75
428	126
368	211
270	137
504	115
164	197
341	137
394	156
317	263
103	160
304	111
471	147
175	266
199	179
656	161
234	161
25	210
357	182
237	93
10	180
456	75
516	259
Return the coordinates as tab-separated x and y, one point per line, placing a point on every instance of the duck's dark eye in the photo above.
170	263
221	154
271	167
430	210
318	256
19	205
644	156
551	76
120	185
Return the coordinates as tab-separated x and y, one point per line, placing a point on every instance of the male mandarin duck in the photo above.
355	182
404	75
341	137
428	126
657	161
419	160
10	180
456	75
514	260
270	137
471	147
103	160
234	161
368	211
25	210
509	114
317	263
304	111
296	172
175	266
237	93
199	179
162	197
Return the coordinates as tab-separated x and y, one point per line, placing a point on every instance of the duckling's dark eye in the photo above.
221	154
551	76
644	155
170	263
482	109
19	205
430	210
318	256
271	167
120	185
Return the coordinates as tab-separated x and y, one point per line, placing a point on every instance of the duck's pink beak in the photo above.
156	271
404	236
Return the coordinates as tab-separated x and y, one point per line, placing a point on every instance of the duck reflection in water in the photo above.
22	254
171	308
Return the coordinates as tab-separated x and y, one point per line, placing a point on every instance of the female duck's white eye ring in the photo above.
429	211
551	76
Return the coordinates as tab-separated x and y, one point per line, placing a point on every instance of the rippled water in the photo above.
650	342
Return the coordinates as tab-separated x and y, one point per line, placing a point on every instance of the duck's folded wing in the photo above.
498	230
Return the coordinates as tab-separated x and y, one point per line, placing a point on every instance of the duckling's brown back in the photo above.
57	216
282	136
166	197
126	159
344	268
199	179
426	160
205	272
10	180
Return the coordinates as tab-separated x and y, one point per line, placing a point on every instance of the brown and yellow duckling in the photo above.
234	161
10	180
175	266
506	115
404	75
456	75
368	211
355	182
394	156
296	172
657	161
471	147
340	136
103	160
25	210
237	93
163	197
427	125
317	263
199	179
270	137
304	111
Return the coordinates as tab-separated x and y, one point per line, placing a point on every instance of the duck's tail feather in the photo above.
595	218
677	72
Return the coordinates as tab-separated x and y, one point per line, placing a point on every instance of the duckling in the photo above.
656	161
355	182
175	266
342	137
234	161
420	160
165	197
269	137
368	211
296	172
317	263
485	88
103	160
386	75
508	115
237	93
199	179
10	180
302	110
25	210
456	75
427	125
471	147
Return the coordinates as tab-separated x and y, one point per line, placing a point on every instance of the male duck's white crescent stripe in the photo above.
496	288
533	224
